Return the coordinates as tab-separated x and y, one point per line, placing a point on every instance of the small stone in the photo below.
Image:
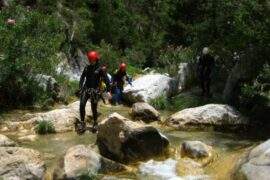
196	149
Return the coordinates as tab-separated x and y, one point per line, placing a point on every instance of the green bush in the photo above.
133	70
27	48
68	88
44	127
160	103
256	93
135	57
171	57
182	101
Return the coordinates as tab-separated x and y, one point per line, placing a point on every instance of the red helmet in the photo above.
122	66
93	56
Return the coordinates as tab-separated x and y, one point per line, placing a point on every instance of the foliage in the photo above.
68	88
160	103
172	56
155	33
44	127
256	93
133	71
182	101
27	48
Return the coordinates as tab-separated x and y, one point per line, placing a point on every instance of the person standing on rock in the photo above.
118	82
89	89
205	66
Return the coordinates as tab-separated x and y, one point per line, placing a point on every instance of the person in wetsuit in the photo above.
205	66
118	82
89	89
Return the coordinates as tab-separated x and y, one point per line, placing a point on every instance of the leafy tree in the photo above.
27	48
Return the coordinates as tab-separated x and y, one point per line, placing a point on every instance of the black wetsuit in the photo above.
89	86
205	66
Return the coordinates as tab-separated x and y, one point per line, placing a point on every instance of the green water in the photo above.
228	147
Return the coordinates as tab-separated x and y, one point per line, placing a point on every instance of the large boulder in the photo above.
144	112
210	115
5	141
63	119
21	163
126	141
149	87
257	164
81	160
195	149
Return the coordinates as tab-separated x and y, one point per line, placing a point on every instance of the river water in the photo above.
228	149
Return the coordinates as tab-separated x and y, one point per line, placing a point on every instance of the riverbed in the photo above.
228	149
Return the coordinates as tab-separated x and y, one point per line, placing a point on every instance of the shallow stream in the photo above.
228	149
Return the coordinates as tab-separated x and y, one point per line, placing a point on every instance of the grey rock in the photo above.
126	141
21	163
149	87
145	112
196	149
215	115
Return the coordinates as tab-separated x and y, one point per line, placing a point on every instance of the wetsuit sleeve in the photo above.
82	78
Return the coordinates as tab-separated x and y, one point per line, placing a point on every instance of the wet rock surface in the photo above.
126	141
210	115
21	163
145	112
257	164
81	160
62	119
195	149
149	87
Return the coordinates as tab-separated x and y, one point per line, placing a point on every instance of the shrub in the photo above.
255	93
160	102
135	57
182	101
44	127
68	88
27	48
171	57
